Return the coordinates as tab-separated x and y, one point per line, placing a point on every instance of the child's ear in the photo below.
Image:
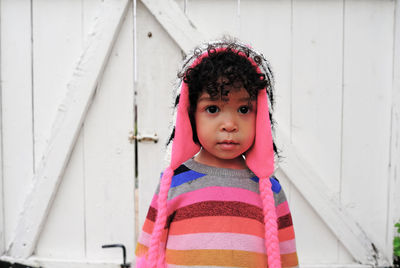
260	157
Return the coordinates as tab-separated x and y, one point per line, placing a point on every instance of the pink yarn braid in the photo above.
160	220
271	225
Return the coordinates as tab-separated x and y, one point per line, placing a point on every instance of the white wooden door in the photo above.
67	113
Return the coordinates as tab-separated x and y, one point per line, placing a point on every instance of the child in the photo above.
218	204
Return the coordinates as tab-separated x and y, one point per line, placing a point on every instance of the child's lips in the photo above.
228	144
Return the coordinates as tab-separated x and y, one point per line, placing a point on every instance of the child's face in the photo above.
225	128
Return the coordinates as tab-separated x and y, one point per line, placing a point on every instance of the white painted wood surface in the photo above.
110	169
101	168
65	128
316	118
2	238
214	20
394	165
111	201
326	203
54	62
67	263
174	21
62	263
16	109
366	114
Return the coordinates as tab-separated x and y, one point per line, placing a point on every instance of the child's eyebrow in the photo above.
247	99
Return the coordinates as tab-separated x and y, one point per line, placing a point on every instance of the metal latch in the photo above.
140	138
124	264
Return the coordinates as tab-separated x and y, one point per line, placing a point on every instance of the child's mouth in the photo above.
228	144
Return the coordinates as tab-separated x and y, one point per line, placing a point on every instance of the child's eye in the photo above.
244	109
212	109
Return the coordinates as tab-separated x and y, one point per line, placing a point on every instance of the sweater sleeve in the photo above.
145	235
286	233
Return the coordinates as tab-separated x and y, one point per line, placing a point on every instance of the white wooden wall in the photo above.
44	57
338	112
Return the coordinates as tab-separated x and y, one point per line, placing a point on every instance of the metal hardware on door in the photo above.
124	264
141	138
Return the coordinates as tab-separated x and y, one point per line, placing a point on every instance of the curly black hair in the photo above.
217	74
220	72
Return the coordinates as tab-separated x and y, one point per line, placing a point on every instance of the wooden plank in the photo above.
136	193
2	238
65	263
326	203
173	19
324	265
317	84
54	58
16	111
66	126
27	262
367	89
316	113
52	62
78	263
156	73
222	17
394	167
66	217
109	156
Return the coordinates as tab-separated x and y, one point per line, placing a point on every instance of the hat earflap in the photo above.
260	160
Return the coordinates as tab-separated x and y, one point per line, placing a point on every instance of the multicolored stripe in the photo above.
216	220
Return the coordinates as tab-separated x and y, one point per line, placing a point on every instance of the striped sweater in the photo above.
216	220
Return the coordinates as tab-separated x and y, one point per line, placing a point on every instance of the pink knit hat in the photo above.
259	159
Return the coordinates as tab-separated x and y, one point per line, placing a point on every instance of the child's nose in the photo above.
229	125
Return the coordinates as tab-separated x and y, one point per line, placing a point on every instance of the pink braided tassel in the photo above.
271	225
154	260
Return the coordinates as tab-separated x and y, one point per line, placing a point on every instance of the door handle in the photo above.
141	138
124	264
